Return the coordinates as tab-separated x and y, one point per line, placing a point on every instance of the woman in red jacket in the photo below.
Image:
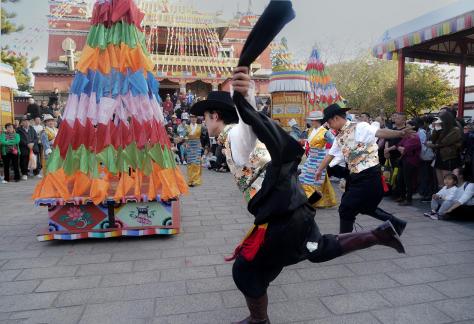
410	149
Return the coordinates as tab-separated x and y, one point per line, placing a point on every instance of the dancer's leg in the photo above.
380	214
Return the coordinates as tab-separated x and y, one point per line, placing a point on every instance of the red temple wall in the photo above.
55	45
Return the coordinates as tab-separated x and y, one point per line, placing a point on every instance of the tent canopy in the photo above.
443	35
7	76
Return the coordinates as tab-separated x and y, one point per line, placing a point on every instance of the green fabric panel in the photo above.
121	32
114	160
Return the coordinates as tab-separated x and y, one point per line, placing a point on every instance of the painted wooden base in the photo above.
81	221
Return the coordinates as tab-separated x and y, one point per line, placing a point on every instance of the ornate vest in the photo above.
51	133
359	156
193	133
249	177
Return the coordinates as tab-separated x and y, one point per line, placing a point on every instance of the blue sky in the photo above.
340	28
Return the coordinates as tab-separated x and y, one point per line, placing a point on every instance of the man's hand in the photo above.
31	145
318	174
401	149
435	197
241	80
407	131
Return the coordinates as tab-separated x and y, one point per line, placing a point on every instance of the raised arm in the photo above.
391	133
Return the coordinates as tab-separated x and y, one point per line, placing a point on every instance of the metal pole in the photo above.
462	90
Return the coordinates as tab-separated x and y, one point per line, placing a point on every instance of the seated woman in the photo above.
464	200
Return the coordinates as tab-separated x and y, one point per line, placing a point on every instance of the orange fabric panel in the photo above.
117	57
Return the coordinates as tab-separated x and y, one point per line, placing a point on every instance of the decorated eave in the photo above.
443	35
291	80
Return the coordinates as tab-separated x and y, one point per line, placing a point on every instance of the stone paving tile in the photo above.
51	272
209	285
369	282
26	302
90	296
119	311
357	318
325	272
187	304
354	302
131	278
8	275
188	273
311	289
413	314
417	276
293	311
373	267
127	280
233	298
215	317
407	295
459	309
18	287
455	288
456	271
63	315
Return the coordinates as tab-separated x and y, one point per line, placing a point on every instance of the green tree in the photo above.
370	85
20	63
427	89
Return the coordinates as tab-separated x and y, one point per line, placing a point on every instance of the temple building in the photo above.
191	50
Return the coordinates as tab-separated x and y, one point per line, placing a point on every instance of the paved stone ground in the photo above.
184	279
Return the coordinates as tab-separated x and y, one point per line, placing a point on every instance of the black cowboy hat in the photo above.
217	101
333	110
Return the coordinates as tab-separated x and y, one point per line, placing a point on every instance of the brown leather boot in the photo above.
258	311
384	234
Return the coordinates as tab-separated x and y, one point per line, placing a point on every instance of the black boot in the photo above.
384	234
258	311
398	224
346	226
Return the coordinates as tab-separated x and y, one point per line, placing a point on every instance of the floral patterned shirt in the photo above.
357	143
249	177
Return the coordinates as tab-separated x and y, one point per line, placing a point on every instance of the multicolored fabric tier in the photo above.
112	144
323	90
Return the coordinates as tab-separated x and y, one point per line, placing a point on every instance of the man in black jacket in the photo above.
33	110
28	141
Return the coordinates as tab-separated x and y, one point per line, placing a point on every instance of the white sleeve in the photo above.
451	193
365	132
241	136
467	194
335	150
442	192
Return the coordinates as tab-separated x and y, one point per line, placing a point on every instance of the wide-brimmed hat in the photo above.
292	122
331	111
47	117
216	101
315	115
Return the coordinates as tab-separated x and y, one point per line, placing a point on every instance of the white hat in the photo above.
47	117
315	115
292	122
437	121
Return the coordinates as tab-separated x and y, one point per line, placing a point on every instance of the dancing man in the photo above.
264	160
356	143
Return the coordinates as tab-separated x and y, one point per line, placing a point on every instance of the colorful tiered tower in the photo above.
112	172
323	90
289	86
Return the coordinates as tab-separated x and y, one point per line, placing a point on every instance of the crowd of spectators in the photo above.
25	144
